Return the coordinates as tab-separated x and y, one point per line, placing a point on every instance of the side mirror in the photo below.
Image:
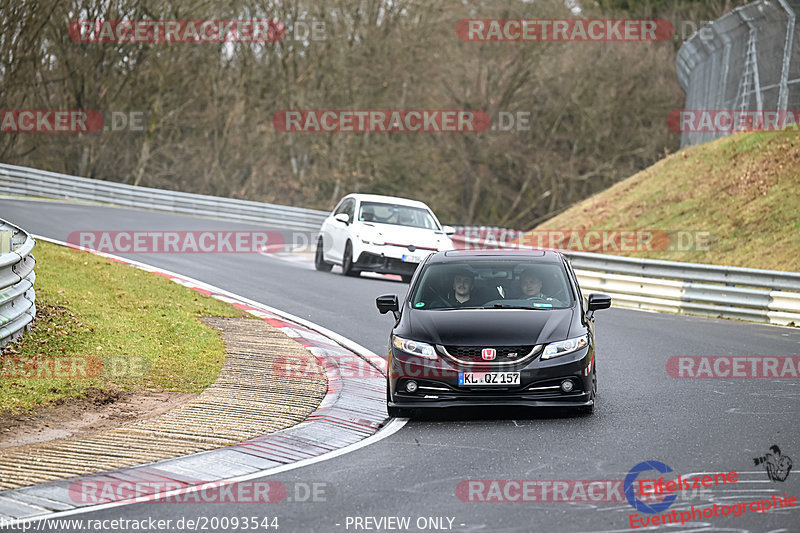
449	230
388	302
343	217
599	301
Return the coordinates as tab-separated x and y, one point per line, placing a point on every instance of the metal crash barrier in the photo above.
17	297
768	296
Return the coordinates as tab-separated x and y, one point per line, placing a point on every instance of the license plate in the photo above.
411	258
488	378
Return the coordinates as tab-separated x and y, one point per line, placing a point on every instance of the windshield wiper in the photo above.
511	306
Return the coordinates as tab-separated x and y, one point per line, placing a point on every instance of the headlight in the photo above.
554	349
417	348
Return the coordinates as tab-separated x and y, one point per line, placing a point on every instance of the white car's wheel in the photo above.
319	259
347	261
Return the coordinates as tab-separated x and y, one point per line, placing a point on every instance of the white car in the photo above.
371	233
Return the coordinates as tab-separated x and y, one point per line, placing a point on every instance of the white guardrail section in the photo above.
708	290
17	299
23	181
769	296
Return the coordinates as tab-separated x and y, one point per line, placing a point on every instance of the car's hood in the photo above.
498	327
406	235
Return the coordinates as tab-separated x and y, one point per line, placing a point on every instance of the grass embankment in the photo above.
143	328
744	189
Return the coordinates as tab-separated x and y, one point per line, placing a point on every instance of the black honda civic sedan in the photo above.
489	328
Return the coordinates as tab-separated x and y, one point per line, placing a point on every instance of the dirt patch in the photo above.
98	410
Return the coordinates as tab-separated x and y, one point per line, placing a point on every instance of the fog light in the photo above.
567	385
411	386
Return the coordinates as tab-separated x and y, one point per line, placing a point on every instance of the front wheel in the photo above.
347	261
319	259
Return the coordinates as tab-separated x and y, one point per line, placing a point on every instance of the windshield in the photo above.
400	215
493	285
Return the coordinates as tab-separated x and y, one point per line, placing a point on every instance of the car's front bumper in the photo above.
504	401
373	262
540	380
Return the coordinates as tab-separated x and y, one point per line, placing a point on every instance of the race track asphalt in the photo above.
692	425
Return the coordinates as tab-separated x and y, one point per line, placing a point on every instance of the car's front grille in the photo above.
502	354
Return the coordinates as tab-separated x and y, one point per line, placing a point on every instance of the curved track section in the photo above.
691	425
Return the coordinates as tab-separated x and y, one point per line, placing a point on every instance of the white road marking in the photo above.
394	425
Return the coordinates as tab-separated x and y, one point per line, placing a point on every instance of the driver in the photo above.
531	285
461	293
367	214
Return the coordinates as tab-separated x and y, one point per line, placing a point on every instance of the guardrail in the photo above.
707	290
23	181
17	297
769	296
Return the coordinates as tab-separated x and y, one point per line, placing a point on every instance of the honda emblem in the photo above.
488	354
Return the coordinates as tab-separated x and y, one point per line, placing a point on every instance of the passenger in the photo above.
405	218
531	285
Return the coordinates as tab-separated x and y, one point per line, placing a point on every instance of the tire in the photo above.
347	261
319	259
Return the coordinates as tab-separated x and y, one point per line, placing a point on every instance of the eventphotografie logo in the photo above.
630	488
775	463
715	510
655	513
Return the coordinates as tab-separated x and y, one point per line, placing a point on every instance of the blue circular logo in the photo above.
630	483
